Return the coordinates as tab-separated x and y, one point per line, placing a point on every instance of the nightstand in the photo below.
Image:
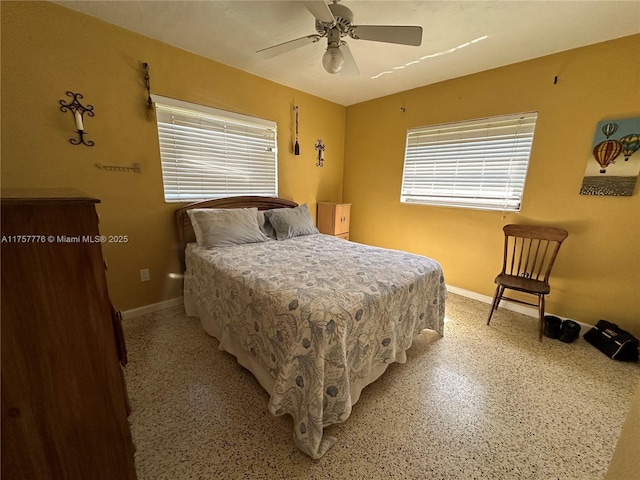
333	219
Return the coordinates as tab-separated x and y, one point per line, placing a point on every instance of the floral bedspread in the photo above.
323	316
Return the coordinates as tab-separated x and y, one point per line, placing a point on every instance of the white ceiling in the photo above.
231	32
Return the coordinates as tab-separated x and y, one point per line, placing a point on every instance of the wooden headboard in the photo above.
184	230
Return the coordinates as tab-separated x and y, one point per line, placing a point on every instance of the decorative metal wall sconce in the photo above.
320	149
78	110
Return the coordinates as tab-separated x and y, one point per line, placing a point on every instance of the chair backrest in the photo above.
530	251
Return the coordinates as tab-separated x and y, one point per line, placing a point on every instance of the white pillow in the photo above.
194	224
225	227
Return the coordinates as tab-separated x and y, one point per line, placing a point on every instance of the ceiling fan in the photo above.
334	22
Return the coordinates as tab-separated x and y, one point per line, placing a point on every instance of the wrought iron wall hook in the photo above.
78	110
320	148
151	110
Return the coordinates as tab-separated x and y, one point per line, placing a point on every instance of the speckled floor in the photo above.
482	402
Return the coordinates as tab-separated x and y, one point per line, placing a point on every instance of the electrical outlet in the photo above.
144	275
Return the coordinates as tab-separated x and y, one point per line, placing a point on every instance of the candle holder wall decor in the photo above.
78	110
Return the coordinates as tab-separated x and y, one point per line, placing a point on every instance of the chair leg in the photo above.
541	314
496	301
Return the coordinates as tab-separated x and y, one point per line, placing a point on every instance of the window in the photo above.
475	164
209	153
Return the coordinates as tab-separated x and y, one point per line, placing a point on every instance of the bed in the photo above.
313	317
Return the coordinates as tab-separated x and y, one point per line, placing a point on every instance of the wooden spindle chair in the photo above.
529	254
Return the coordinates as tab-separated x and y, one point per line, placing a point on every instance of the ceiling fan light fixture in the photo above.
335	21
333	60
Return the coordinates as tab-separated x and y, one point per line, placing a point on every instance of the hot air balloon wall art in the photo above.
614	160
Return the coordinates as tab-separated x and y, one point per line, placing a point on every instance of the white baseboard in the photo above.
514	307
154	307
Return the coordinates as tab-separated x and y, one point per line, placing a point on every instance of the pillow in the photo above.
194	223
265	226
225	227
291	222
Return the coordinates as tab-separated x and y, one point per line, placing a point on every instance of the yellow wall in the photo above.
48	49
597	274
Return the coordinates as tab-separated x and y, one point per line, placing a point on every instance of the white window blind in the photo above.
208	153
475	164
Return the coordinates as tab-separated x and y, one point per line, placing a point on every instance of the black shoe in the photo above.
569	331
552	326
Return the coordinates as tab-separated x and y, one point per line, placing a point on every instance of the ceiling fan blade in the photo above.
320	10
350	68
405	35
271	52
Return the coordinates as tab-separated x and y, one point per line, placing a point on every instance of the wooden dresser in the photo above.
333	219
64	408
